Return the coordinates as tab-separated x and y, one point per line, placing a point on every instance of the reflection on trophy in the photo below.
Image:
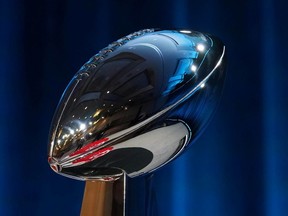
133	108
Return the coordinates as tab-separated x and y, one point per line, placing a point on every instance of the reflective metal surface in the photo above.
137	104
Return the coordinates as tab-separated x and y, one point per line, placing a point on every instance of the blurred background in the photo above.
237	167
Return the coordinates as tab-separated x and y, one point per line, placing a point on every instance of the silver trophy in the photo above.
133	108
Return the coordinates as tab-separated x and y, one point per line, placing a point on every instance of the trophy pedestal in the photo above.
104	197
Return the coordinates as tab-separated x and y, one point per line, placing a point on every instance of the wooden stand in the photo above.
104	198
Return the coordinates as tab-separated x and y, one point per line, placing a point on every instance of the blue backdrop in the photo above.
238	166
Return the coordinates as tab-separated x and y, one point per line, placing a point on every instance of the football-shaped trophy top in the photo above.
137	104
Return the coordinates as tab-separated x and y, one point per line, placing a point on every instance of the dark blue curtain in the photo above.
238	167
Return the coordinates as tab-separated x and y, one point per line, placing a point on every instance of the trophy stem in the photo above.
104	198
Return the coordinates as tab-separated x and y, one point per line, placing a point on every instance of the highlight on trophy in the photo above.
137	104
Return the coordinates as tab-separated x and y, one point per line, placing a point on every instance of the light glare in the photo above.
82	127
193	68
200	47
185	31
